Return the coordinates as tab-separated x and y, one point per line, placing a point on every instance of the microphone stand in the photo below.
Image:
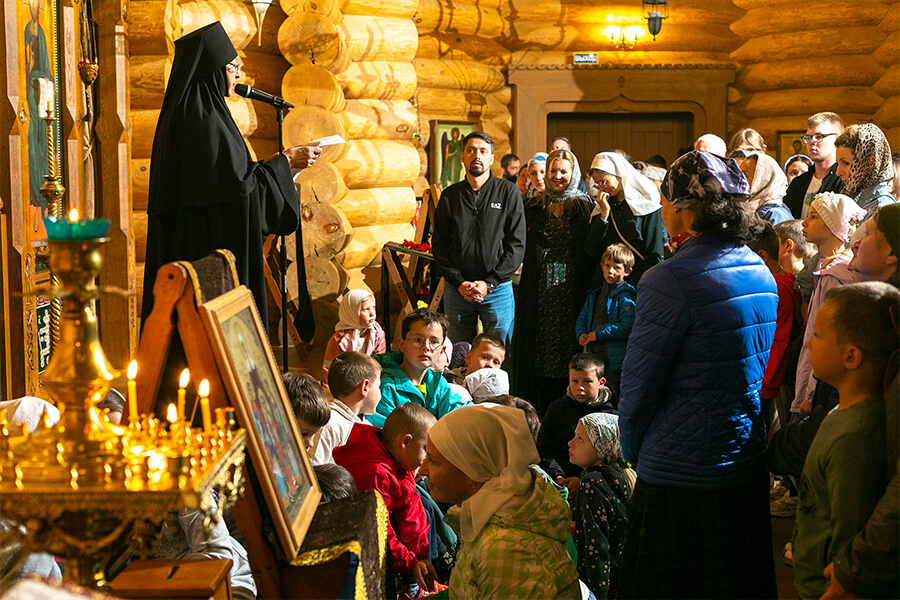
279	116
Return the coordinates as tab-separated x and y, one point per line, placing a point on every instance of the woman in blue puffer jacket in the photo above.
690	414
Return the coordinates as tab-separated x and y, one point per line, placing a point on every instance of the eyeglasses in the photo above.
420	342
816	137
234	68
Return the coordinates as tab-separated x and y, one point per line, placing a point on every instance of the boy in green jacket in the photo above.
406	376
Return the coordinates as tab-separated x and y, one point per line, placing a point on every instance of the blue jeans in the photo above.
497	312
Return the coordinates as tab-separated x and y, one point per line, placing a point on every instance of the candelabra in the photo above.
79	488
53	191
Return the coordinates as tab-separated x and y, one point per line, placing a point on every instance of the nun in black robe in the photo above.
205	191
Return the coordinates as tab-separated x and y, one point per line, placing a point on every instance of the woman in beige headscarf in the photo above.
513	524
864	164
767	186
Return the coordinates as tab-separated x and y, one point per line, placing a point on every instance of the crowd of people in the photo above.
692	347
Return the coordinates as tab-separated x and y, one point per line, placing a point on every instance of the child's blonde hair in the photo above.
862	317
619	254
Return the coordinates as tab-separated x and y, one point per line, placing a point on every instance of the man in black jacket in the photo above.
821	131
479	242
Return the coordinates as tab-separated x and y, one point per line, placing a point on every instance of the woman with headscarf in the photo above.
513	524
689	417
767	186
536	169
555	277
864	165
205	190
627	212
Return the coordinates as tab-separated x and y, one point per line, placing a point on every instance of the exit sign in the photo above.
585	58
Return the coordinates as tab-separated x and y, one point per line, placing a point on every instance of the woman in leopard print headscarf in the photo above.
864	164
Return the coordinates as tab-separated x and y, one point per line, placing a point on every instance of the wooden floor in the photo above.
781	534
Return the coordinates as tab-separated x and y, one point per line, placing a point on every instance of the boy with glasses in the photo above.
821	132
407	375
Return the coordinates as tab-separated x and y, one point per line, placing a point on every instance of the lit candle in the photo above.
182	384
204	405
132	393
49	108
73	215
171	414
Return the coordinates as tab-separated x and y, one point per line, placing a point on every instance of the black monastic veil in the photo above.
205	190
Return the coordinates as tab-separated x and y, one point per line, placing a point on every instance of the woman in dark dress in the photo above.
555	277
205	190
627	212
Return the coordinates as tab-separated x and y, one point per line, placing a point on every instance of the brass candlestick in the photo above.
79	488
53	191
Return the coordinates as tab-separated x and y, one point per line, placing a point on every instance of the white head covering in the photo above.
348	318
29	411
840	213
640	193
487	383
491	445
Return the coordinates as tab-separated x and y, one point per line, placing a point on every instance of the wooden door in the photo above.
640	134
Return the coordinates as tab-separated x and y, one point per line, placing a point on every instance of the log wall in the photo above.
794	63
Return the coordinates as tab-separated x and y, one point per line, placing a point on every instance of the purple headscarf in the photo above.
696	174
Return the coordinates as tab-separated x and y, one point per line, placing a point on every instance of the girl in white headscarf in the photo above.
357	329
628	212
513	524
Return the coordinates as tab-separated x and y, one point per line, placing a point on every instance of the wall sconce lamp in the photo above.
259	11
655	11
623	38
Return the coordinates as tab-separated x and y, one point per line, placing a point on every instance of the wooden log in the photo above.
253	118
760	21
326	231
331	9
796	44
140	183
890	23
139	286
381	80
143	128
799	73
380	119
306	123
321	183
368	241
148	80
421	185
402	9
467	76
326	279
236	17
889	84
379	163
501	138
702	13
147	27
443	16
808	101
312	85
886	55
888	116
503	96
307	37
687	37
468	106
139	227
379	38
379	206
486	52
362	279
263	70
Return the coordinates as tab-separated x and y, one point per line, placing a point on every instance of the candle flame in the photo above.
204	388
73	215
132	369
184	379
171	413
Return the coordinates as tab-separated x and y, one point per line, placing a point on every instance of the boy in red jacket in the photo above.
386	460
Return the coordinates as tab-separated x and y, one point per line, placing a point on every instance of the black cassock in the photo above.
205	191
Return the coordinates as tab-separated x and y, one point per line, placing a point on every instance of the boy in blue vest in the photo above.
607	317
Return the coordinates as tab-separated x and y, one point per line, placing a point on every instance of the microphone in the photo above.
246	91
